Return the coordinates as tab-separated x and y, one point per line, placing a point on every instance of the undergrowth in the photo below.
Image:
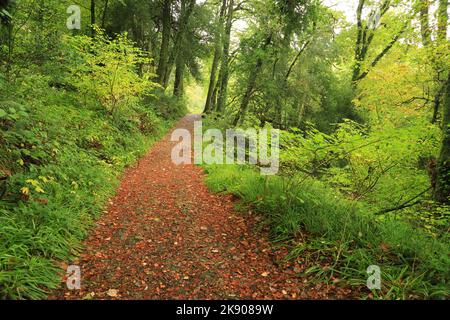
63	159
413	264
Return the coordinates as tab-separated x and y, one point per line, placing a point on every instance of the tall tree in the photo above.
105	10
92	17
442	192
187	6
442	17
224	68
251	82
7	21
166	17
366	31
215	64
442	20
424	11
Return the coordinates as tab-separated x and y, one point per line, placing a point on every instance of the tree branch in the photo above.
382	54
304	46
407	204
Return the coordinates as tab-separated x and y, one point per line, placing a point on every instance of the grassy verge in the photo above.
63	160
413	265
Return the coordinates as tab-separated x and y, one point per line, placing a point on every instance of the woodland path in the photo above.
165	236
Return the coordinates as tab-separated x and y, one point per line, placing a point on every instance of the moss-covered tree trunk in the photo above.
187	6
165	41
178	87
92	17
442	17
216	58
443	180
251	82
105	10
442	20
425	30
224	72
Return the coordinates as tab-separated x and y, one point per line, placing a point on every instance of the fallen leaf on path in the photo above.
112	293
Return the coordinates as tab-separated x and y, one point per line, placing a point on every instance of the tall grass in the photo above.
413	264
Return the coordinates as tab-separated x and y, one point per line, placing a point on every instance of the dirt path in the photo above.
165	236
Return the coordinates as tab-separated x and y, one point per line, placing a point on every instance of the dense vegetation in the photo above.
362	102
75	109
363	113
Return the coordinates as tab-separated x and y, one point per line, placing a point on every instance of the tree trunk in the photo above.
437	104
178	87
164	52
223	89
251	85
248	93
170	63
441	40
218	45
186	12
282	79
425	21
365	36
442	20
92	18
10	51
359	43
105	10
442	193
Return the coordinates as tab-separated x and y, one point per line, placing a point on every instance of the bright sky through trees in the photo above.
348	7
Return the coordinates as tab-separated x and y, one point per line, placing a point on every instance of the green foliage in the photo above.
10	113
168	107
63	172
107	68
74	112
378	167
412	267
298	80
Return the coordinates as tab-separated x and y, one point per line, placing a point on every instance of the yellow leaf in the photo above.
44	179
39	190
34	183
25	190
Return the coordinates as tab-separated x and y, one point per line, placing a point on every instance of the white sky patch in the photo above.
348	7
